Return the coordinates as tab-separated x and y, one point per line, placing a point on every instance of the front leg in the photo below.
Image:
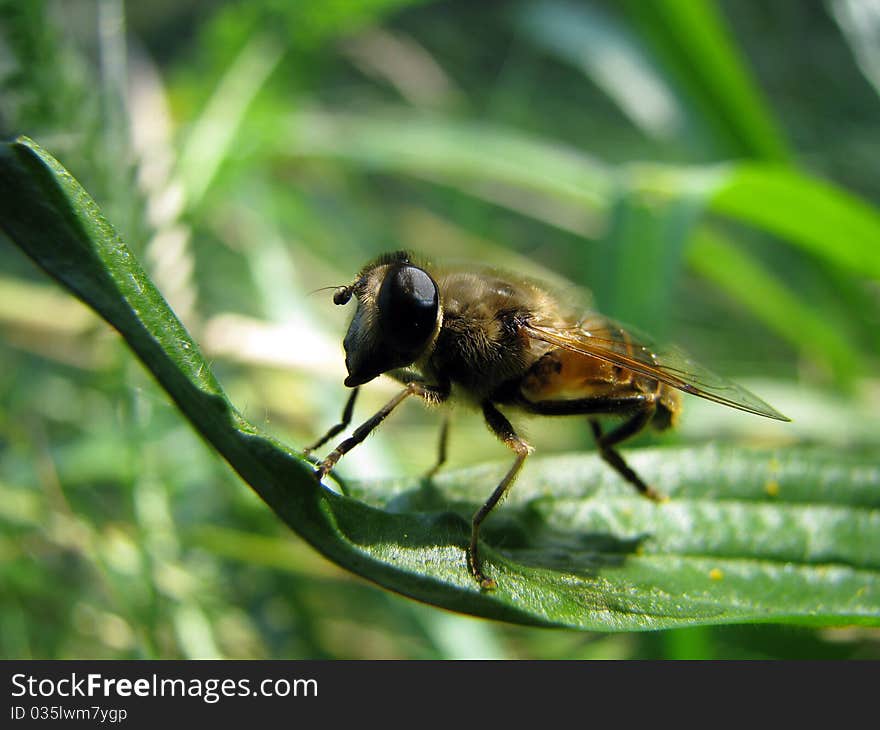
341	426
430	393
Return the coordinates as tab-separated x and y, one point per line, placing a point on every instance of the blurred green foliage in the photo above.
703	167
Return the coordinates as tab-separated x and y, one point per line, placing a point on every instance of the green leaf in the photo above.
758	536
746	536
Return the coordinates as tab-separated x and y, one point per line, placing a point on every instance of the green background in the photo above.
705	170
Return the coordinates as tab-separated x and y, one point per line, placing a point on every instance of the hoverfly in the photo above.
500	340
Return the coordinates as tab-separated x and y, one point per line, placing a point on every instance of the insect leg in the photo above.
607	441
441	447
432	393
341	426
503	430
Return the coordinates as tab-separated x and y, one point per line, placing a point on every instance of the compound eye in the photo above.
408	303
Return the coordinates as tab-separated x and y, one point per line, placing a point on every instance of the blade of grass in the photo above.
635	267
210	140
692	41
815	215
804	211
771	302
462	151
605	50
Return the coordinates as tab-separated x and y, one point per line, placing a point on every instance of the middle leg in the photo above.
502	429
442	447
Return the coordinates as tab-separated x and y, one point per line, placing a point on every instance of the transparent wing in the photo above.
596	336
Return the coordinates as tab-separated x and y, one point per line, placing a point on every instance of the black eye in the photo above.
408	303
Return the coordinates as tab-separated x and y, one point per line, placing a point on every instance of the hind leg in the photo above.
606	442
